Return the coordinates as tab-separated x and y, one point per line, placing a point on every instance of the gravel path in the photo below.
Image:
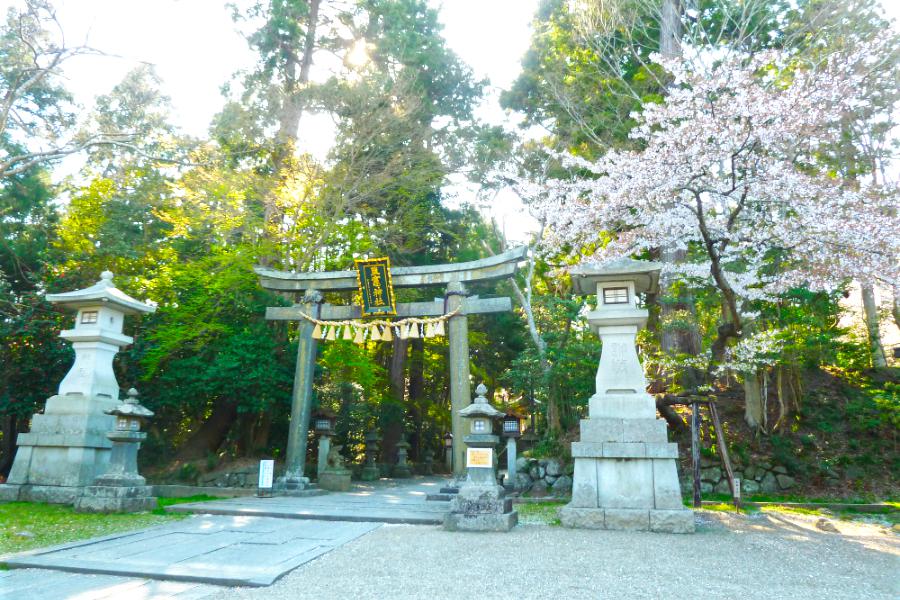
767	556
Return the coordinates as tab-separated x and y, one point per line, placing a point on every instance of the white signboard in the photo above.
737	488
480	457
266	473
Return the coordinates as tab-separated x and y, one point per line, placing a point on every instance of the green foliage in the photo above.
208	343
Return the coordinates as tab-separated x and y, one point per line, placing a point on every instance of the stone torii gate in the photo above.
452	276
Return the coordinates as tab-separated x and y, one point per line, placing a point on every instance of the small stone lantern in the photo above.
481	504
401	469
448	449
512	429
324	424
121	488
428	462
371	472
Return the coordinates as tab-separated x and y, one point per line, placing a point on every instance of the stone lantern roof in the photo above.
480	407
644	273
102	292
131	408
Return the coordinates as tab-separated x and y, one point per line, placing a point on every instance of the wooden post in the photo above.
460	390
301	400
695	451
723	451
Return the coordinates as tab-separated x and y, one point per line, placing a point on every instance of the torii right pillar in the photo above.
625	472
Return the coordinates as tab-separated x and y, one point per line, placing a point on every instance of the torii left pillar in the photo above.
294	478
460	386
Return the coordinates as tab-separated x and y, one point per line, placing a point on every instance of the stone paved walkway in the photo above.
219	549
34	584
386	501
237	542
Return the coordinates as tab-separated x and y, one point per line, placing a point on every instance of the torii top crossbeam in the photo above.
486	269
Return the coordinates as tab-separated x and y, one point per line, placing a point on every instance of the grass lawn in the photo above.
539	513
29	525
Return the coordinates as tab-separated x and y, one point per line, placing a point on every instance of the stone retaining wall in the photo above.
542	476
760	477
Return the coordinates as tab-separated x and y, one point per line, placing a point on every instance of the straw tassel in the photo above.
439	328
414	330
375	333
331	333
429	329
404	332
387	336
348	333
317	332
360	336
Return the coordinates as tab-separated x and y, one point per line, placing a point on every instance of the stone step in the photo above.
438	497
283	507
449	490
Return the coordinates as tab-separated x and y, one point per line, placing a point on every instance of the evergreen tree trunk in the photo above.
416	394
393	420
870	308
683	338
754	408
261	430
895	308
670	28
8	432
211	433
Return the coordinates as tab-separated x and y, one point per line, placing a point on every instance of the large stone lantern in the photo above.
625	474
67	446
481	504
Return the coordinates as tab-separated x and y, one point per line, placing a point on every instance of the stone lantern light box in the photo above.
512	425
324	422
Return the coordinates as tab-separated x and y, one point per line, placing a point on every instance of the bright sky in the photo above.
196	48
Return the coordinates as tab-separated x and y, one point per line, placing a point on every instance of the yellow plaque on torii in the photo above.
376	292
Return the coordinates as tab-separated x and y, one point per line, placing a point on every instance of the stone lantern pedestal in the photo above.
121	488
67	446
625	472
481	504
335	477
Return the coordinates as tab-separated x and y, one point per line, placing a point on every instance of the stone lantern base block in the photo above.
480	508
401	472
335	481
370	473
62	453
481	522
51	494
119	499
628	519
291	485
626	478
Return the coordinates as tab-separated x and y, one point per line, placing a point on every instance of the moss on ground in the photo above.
30	525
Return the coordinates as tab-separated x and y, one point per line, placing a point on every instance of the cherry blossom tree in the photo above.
728	170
